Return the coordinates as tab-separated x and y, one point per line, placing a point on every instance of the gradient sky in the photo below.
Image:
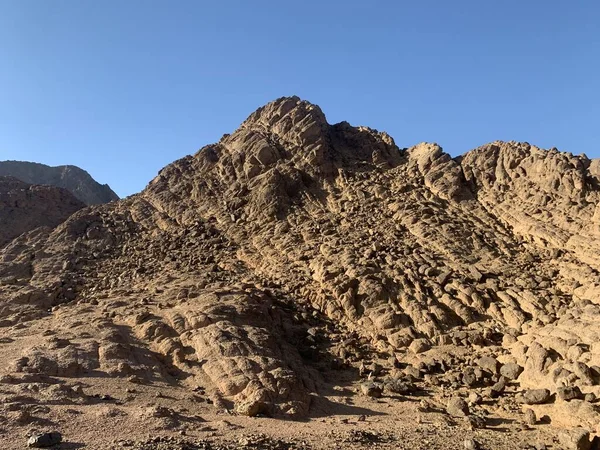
123	87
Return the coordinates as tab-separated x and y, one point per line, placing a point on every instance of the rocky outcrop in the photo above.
292	242
71	178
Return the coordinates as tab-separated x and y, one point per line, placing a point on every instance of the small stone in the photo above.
45	440
457	407
470	444
498	388
474	398
469	378
476	422
529	417
590	397
371	390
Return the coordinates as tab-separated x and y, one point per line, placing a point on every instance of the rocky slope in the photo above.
24	207
71	178
295	258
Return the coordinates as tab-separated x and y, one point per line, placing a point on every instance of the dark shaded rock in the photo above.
372	390
569	393
400	387
45	440
498	388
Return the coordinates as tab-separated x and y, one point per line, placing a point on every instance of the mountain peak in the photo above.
74	179
294	257
289	110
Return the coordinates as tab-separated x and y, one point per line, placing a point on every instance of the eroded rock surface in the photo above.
293	247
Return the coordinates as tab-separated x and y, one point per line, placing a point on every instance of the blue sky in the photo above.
122	88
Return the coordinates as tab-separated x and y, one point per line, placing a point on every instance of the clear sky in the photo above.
123	87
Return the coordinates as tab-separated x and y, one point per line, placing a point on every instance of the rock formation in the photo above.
71	178
293	248
24	207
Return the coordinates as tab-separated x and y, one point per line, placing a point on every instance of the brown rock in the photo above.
457	407
511	371
575	439
534	397
569	393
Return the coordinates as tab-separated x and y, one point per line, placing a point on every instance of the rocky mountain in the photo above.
297	269
71	178
24	207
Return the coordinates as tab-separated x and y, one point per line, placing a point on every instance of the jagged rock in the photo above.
584	374
400	387
497	388
419	346
474	398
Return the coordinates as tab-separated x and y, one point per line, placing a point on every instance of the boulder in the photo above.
511	371
489	364
45	440
569	393
533	397
575	439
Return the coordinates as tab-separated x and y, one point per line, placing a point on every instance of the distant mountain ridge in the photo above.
25	207
72	178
